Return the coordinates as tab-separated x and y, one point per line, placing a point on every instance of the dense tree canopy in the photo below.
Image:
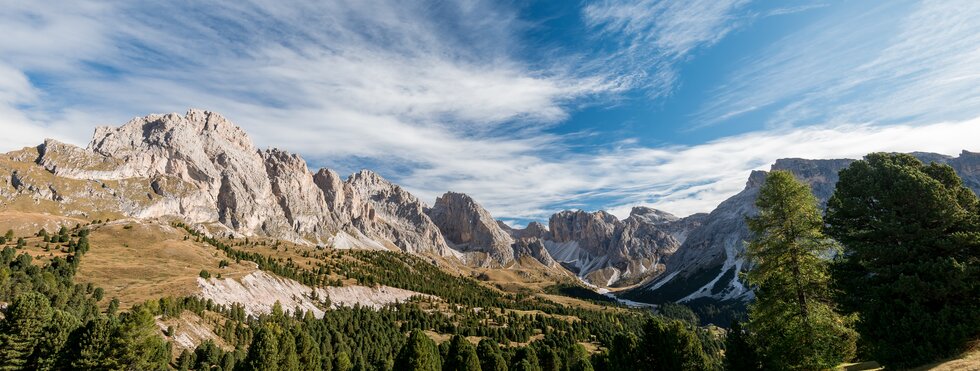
911	261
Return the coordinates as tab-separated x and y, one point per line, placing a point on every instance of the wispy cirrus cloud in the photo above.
431	95
654	35
888	62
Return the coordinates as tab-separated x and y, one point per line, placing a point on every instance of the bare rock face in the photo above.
606	251
385	211
470	227
202	168
534	248
533	230
297	194
226	174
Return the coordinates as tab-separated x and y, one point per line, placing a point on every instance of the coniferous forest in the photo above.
891	273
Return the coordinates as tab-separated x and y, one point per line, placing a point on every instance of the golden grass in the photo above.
27	224
149	261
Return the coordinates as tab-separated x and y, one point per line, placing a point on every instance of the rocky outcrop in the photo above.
470	228
259	291
385	211
606	251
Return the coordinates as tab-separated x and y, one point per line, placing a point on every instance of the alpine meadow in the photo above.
486	185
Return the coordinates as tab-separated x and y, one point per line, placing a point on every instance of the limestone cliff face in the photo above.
382	210
202	168
606	251
469	227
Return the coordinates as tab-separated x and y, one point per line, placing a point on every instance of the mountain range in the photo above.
201	169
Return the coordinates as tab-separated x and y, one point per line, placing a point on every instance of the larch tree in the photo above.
793	320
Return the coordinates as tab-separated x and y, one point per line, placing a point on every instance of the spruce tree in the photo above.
911	261
418	354
792	318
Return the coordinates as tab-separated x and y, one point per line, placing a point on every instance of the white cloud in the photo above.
655	35
385	83
891	62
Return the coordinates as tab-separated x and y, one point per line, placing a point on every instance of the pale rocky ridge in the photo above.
605	251
203	169
259	291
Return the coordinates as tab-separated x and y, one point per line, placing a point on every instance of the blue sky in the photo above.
528	106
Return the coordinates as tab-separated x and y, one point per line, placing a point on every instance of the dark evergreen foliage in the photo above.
911	261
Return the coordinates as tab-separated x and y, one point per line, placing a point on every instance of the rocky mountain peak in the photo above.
533	230
651	215
470	227
590	229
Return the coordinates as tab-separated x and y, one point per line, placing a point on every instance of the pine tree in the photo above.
740	354
48	354
309	352
462	356
911	261
289	360
526	359
490	357
669	345
263	353
418	354
579	359
343	363
22	329
186	360
228	362
623	353
549	359
792	318
91	347
136	344
207	355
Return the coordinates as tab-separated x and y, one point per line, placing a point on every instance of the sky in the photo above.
530	107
